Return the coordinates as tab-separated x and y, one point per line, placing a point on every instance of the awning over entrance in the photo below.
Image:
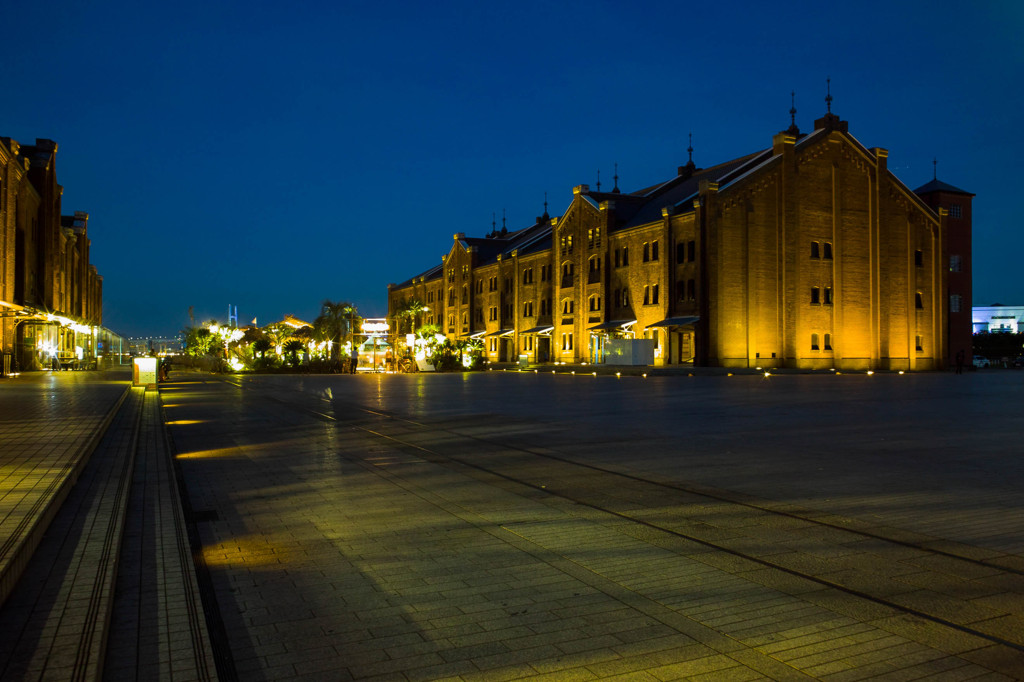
612	324
474	335
501	332
541	330
676	321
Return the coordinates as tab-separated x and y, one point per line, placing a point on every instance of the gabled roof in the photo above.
680	191
937	185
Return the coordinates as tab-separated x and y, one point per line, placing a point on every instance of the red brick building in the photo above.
808	253
50	294
956	203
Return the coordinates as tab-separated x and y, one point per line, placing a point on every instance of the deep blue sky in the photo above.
274	154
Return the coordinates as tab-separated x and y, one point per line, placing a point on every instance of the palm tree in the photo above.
335	323
291	349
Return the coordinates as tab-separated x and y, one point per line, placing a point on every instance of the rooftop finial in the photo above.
689	150
503	219
494	221
935	169
792	130
828	94
545	203
616	187
598	179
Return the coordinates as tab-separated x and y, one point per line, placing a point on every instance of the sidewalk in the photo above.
49	424
92	525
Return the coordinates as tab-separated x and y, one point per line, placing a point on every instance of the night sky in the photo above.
271	155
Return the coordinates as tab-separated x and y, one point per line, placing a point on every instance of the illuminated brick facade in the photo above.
45	271
808	254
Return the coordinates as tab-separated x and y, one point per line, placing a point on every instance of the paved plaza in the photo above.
521	525
516	525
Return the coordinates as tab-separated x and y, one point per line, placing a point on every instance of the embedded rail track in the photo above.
717	520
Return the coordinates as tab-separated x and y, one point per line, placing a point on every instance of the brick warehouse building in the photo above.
50	294
808	254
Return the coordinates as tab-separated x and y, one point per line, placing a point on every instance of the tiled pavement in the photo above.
341	547
49	423
58	618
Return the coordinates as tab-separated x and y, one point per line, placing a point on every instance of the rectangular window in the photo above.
691	250
828	342
815	295
826	250
918	343
919	258
647	252
654	294
625	298
617	257
814	342
691	290
815	250
647	295
828	295
954	211
625	255
654	250
918	300
955	303
680	290
681	252
956	263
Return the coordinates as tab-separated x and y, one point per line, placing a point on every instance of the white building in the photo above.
998	318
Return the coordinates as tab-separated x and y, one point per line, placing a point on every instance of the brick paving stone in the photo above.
454	553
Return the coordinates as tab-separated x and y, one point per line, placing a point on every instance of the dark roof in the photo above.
681	190
940	186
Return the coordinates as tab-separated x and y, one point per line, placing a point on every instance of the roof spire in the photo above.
494	223
828	94
503	219
689	150
598	179
615	189
793	129
546	204
935	169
